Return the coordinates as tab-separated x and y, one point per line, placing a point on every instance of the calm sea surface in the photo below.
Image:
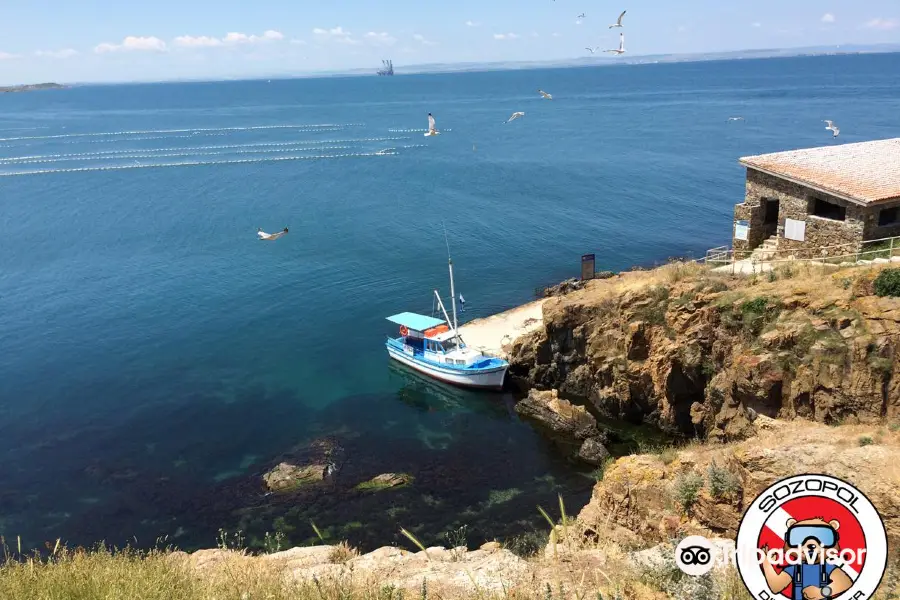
155	357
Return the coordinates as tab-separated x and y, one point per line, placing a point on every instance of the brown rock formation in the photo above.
571	427
642	498
285	477
701	354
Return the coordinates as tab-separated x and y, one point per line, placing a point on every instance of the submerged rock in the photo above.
386	481
285	477
571	427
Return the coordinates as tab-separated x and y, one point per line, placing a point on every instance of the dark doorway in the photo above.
770	217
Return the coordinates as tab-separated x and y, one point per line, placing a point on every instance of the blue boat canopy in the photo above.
415	321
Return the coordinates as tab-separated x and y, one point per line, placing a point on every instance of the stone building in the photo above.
821	201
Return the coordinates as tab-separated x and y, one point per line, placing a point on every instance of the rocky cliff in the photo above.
702	354
704	489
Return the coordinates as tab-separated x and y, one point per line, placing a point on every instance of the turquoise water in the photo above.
156	356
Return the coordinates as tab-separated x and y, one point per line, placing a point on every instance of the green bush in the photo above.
756	313
888	283
687	488
721	481
866	440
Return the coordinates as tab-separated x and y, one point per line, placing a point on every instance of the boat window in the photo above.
450	345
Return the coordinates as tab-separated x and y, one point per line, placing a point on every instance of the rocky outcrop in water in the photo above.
305	464
701	355
386	481
570	427
285	476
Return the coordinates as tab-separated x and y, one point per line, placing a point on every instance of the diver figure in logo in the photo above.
808	544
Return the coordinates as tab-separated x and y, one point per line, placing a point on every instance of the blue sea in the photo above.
155	357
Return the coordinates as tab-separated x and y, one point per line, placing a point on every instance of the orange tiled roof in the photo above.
866	172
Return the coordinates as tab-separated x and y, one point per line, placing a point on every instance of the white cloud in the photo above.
134	43
233	37
473	24
64	53
756	24
883	24
7	56
535	34
421	39
336	34
828	18
555	34
203	41
382	38
505	36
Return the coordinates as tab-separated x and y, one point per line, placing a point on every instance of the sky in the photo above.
141	40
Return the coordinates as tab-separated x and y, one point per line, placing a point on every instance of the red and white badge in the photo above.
820	530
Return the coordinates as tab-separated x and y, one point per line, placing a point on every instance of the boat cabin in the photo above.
431	339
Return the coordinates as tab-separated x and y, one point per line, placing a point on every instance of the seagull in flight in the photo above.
581	16
618	23
833	128
545	95
621	49
270	237
515	116
431	126
592	50
736	118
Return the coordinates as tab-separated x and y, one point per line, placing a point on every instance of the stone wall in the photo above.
873	231
842	237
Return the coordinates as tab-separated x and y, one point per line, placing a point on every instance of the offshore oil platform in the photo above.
387	67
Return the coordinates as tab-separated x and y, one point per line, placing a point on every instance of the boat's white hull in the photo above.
489	379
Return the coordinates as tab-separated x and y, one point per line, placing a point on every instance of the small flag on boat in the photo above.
462	302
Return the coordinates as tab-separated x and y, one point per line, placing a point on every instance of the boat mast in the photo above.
452	289
453	297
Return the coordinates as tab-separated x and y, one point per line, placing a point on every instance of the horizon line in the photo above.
501	65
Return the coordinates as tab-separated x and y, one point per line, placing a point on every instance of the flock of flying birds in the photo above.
432	128
618	24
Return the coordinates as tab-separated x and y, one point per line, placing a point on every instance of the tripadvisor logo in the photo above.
811	537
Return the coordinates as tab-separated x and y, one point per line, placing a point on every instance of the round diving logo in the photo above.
811	537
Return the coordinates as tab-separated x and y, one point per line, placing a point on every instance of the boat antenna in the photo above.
452	288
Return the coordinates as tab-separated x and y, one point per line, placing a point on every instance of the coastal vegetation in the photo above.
610	549
746	375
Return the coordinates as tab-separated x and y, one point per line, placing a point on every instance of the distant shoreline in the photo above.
30	87
563	63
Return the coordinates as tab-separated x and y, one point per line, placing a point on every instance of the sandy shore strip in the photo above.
494	335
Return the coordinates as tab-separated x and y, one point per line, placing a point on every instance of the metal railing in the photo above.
837	254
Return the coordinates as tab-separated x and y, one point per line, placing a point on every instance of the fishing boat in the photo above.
434	347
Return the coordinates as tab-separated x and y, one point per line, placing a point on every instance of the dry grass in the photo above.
342	553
